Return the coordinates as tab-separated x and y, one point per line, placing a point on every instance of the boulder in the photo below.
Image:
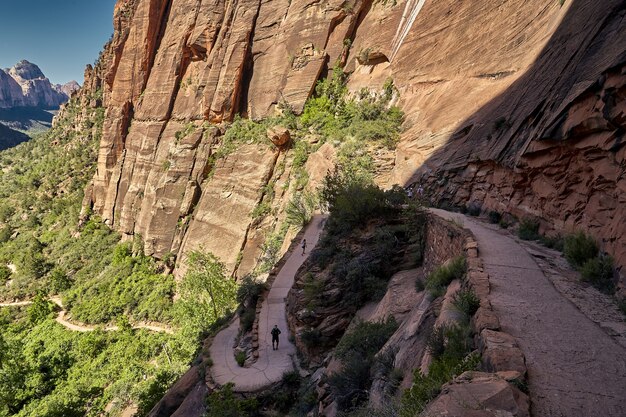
279	135
500	352
478	394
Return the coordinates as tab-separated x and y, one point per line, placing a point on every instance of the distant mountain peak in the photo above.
25	85
27	71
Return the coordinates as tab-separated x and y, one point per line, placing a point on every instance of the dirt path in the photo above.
271	364
81	327
574	368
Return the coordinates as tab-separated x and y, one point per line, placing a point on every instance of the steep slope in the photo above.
180	68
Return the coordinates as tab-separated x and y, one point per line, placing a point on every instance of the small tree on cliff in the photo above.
206	293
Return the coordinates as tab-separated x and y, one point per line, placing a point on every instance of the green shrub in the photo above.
621	304
366	339
554	241
579	248
291	379
5	274
351	201
250	290
223	403
240	358
300	209
494	217
427	387
528	229
599	273
357	351
246	319
311	337
439	279
473	209
466	302
312	290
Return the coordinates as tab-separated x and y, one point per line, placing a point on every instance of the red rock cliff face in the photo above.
515	104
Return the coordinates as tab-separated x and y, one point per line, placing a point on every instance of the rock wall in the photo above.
515	104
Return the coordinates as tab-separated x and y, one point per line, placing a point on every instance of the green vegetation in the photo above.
438	280
134	287
598	272
207	295
223	402
579	248
357	352
248	295
494	217
301	208
240	358
466	301
554	241
450	346
47	370
528	229
365	117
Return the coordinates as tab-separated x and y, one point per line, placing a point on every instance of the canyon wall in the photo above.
517	105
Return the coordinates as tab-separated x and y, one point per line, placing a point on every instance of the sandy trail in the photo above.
574	368
81	327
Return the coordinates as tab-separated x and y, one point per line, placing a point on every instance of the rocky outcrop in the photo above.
24	85
481	394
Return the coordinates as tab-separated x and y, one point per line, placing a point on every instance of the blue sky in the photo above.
60	36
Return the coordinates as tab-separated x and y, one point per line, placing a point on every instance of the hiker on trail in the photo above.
275	333
420	190
303	246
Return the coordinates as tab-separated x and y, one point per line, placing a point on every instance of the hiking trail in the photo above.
575	367
271	364
81	327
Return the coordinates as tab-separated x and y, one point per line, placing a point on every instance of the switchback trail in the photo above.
80	327
575	369
271	364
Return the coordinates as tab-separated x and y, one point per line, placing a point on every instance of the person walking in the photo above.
275	333
303	246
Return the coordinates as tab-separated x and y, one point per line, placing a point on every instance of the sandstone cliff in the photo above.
514	105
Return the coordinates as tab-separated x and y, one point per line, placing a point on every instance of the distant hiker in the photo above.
409	192
303	246
420	190
275	333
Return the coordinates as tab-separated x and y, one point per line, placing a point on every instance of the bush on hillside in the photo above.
528	229
494	217
466	301
599	272
438	280
579	248
357	351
